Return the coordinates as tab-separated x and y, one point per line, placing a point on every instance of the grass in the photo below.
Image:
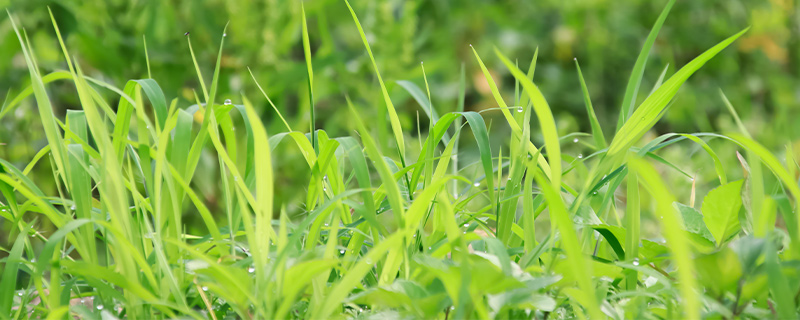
379	235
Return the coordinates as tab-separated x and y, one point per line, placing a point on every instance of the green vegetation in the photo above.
214	202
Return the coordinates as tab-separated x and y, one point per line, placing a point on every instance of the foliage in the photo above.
396	224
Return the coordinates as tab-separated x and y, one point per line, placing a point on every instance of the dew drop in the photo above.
429	248
368	261
341	251
580	156
19	293
575	140
224	34
635	261
227	102
251	269
519	109
414	235
205	288
452	308
466	225
186	34
100	307
72	207
33	260
594	193
148	127
530	156
477	184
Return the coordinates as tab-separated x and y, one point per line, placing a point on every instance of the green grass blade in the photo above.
289	128
578	265
735	115
393	119
264	190
307	53
632	229
776	167
635	80
546	121
8	281
671	227
597	131
45	108
389	183
652	108
478	127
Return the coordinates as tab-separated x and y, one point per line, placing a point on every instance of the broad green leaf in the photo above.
693	221
721	210
720	271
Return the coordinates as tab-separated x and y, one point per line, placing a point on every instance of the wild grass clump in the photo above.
527	231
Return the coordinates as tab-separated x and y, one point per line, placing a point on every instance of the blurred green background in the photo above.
759	73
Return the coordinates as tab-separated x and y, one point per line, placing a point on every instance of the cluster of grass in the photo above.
537	235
